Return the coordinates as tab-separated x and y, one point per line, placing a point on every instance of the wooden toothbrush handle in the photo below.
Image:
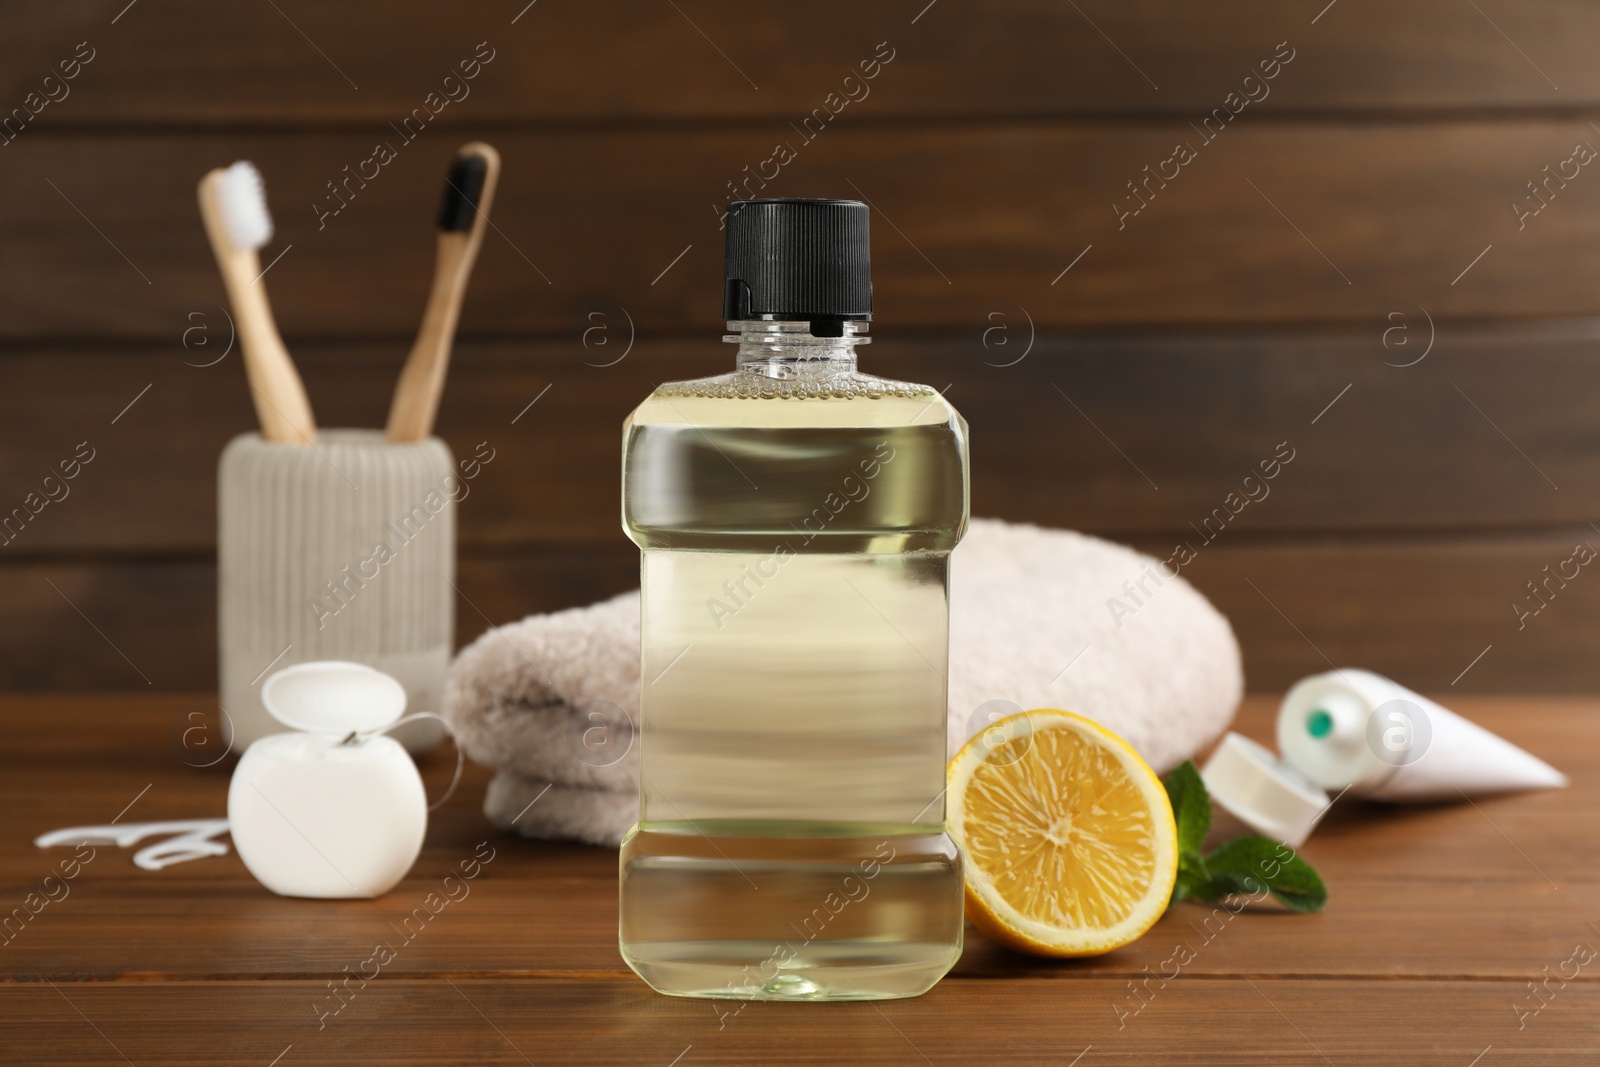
282	406
416	395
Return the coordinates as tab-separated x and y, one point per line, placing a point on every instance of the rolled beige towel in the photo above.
560	812
1039	618
553	698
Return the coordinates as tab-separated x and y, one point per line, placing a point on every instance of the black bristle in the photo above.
463	185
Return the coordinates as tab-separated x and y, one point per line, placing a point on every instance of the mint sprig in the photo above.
1245	866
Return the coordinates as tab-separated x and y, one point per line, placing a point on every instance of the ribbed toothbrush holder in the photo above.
339	550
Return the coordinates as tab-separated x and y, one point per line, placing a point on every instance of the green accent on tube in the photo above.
1319	724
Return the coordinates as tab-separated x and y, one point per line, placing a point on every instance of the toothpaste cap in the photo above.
1250	783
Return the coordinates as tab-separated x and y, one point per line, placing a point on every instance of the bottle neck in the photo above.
789	350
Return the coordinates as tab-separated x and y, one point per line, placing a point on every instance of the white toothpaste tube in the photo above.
1354	731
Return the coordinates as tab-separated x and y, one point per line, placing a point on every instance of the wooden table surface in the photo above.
1439	918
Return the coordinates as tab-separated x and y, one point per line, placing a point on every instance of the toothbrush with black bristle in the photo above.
233	205
468	194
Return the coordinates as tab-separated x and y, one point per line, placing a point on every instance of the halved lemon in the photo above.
1068	837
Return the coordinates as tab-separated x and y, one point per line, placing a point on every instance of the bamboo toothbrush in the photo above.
233	204
468	193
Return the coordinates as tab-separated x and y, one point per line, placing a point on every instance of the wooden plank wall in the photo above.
1348	258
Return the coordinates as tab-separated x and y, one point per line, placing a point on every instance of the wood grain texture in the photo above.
588	1021
620	62
1413	515
1067	436
1272	223
1425	611
126	625
1438	917
220	922
1432	612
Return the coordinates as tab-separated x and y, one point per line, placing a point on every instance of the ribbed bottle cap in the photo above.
798	261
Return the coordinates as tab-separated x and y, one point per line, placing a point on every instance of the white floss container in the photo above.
334	811
1352	730
339	550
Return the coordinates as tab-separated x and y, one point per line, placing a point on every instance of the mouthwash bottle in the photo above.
795	519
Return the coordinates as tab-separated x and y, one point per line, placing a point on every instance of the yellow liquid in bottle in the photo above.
796	541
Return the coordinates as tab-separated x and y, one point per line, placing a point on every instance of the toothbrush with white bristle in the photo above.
233	204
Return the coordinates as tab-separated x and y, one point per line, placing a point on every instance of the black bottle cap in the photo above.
798	261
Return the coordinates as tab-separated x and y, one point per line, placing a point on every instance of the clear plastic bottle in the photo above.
795	519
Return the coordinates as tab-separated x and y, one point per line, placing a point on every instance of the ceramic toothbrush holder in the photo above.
340	550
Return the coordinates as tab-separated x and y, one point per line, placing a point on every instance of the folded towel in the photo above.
1038	618
554	697
549	811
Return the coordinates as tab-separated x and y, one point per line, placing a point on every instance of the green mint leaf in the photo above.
1192	877
1247	865
1191	807
1227	884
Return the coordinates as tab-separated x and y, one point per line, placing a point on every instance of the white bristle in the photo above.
242	199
